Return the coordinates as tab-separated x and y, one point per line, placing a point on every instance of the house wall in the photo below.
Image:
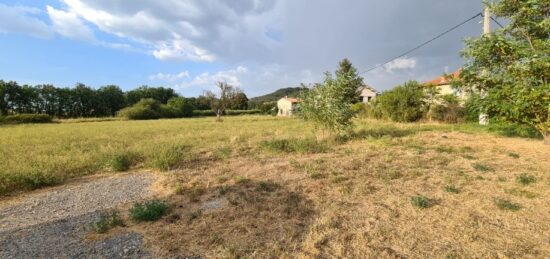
448	89
367	95
285	107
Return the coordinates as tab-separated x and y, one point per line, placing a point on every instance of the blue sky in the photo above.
257	45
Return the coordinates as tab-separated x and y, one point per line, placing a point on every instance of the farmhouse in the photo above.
287	106
367	94
443	85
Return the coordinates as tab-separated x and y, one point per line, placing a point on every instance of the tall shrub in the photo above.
404	103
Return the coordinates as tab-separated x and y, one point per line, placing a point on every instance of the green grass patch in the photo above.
296	145
526	179
451	189
148	211
168	158
513	155
504	204
482	167
421	202
521	193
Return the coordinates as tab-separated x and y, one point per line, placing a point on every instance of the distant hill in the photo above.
275	96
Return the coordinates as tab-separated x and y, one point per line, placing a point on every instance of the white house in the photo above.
287	106
367	94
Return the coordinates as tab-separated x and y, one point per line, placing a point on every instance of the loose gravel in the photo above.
54	223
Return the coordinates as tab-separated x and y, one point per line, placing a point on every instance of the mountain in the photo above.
275	96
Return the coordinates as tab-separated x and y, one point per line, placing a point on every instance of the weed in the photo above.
466	149
506	204
420	201
469	157
267	186
296	145
224	189
121	162
195	215
178	189
168	158
451	189
107	221
513	155
445	149
221	179
316	175
521	193
195	194
241	180
339	179
482	167
148	211
525	179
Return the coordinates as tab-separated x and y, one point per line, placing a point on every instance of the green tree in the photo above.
220	102
239	101
350	80
111	99
404	103
328	105
511	67
182	106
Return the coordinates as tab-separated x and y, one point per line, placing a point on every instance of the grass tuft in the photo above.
451	189
504	204
420	201
267	186
107	221
121	162
482	167
513	155
296	145
525	179
148	211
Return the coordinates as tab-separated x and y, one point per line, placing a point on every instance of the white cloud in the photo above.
182	50
69	25
207	80
400	64
20	20
169	77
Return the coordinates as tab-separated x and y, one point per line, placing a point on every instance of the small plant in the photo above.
107	221
148	211
121	162
316	175
178	189
506	204
451	189
267	186
420	201
168	158
195	194
482	167
195	215
445	149
513	155
525	179
241	180
521	193
224	189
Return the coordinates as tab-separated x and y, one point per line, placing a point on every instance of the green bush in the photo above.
205	113
25	118
506	204
181	107
404	103
472	108
148	211
146	109
121	162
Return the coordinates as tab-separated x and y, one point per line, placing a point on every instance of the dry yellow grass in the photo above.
355	202
236	198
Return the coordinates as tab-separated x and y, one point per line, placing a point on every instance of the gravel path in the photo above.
54	223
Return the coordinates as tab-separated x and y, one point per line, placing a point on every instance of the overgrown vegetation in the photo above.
512	67
25	118
420	201
107	221
504	204
403	103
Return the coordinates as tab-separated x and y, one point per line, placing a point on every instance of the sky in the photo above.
257	45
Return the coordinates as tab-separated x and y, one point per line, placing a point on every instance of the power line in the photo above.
423	44
495	20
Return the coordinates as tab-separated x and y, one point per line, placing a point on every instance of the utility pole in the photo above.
483	117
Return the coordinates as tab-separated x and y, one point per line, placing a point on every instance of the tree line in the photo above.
85	101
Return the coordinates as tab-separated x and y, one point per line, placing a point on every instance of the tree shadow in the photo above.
240	219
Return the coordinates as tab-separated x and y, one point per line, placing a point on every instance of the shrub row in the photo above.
205	113
25	118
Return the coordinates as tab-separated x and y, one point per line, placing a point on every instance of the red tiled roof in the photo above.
444	80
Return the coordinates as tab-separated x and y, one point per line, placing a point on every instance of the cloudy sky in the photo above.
258	45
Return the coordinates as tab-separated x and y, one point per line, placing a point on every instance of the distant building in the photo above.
443	85
367	94
287	106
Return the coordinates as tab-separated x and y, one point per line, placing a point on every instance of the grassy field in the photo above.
392	190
